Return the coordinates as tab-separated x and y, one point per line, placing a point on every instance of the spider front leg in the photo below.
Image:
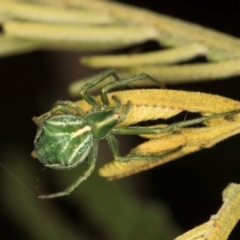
171	127
114	149
112	85
91	161
155	130
126	81
88	98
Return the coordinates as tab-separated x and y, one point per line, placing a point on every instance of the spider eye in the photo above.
63	141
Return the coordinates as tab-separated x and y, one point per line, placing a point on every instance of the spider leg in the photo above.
57	109
88	98
63	106
112	85
115	151
91	161
118	108
154	130
122	82
171	127
60	107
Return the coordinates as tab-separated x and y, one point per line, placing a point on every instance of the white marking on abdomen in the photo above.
81	131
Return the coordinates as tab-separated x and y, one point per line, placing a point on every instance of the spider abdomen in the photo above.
63	141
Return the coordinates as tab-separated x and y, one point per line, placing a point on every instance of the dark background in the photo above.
190	188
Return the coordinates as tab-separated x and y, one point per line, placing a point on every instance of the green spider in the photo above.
66	136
